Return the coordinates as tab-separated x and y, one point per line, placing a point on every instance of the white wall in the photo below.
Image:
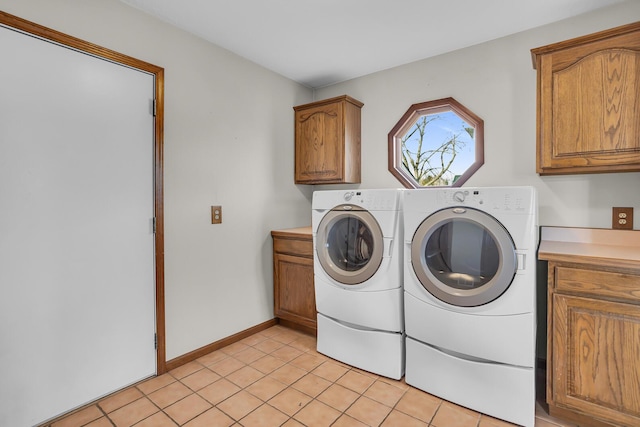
228	141
496	80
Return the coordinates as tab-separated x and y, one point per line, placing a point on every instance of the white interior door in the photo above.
77	280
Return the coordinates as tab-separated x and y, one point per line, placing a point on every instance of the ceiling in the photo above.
319	43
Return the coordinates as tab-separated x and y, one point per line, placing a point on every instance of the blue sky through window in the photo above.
442	127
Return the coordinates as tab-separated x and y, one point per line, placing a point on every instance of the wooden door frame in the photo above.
110	55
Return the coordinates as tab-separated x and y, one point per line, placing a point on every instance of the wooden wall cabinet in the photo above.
327	141
293	290
593	360
588	103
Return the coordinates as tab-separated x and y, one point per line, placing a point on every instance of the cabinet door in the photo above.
319	144
588	107
596	351
294	292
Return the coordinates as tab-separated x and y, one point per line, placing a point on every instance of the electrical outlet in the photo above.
216	214
622	219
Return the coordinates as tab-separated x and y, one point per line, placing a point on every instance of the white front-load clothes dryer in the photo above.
357	237
470	289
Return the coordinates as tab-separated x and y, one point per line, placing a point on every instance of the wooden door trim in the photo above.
113	56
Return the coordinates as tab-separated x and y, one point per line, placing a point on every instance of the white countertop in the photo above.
599	244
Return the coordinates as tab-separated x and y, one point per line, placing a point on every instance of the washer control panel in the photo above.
371	200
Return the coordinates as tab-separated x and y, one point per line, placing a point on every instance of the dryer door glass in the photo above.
463	256
349	245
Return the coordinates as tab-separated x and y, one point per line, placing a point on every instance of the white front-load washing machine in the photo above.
470	297
357	236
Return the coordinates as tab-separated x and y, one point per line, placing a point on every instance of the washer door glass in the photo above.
349	244
463	256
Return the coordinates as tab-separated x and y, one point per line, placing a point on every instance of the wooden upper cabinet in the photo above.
588	104
327	141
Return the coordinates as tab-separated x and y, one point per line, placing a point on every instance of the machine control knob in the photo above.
459	196
348	195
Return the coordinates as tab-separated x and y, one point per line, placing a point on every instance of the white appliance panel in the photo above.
361	324
371	200
502	391
376	310
504	339
482	356
514	207
374	351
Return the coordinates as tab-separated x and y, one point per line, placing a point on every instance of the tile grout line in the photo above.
307	372
287	341
360	394
105	415
248	385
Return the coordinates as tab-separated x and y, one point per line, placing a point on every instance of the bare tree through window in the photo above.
436	143
440	157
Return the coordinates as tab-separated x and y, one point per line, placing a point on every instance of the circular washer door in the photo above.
349	244
463	256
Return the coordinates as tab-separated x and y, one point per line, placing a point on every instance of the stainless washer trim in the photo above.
328	221
462	297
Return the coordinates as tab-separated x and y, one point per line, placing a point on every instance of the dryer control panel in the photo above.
517	200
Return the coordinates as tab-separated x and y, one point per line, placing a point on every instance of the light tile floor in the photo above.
276	378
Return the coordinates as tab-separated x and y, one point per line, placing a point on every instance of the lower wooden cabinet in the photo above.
293	291
593	375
